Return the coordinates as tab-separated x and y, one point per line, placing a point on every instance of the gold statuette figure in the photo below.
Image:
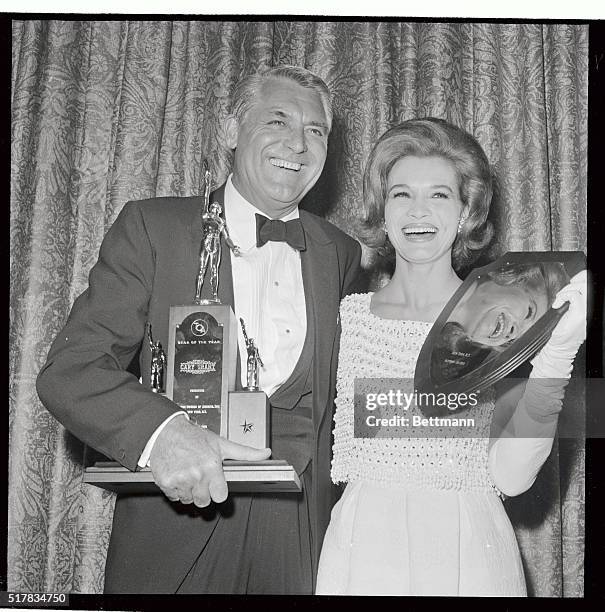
158	363
252	362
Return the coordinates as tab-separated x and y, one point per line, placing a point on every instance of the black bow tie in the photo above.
273	229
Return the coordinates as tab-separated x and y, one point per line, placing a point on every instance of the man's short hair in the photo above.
249	88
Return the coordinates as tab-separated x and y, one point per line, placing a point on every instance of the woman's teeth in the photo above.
499	328
282	163
419	230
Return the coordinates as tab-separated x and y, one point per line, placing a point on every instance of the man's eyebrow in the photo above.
283	115
320	124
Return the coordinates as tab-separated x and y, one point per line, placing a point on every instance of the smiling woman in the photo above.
453	168
423	208
443	529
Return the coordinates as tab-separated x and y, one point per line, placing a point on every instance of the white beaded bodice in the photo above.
371	347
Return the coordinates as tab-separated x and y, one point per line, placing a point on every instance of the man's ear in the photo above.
231	127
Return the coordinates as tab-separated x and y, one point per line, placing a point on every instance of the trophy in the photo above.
249	411
497	319
202	350
158	363
214	226
200	378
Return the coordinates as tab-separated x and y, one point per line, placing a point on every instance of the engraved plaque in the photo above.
202	357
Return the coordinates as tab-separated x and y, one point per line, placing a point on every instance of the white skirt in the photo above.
398	541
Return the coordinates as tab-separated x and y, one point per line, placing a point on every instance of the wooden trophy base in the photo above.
271	476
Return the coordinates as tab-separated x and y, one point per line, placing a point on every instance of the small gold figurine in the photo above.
158	363
252	362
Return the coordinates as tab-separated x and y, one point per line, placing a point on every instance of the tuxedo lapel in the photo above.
321	284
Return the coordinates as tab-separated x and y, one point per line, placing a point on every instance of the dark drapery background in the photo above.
107	111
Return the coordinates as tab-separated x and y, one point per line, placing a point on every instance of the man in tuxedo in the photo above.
293	270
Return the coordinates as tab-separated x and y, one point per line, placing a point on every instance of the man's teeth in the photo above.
419	230
282	163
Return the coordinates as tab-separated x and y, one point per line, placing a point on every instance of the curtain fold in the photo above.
108	111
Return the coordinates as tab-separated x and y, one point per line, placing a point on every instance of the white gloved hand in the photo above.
555	360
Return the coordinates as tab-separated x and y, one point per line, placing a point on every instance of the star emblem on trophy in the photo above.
247	427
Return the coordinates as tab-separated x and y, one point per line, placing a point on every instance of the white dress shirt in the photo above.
269	296
268	293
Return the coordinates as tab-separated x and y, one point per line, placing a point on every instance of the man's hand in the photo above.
186	462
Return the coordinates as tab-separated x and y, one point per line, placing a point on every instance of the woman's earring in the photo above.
386	233
460	224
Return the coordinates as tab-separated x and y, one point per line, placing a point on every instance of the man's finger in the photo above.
218	489
171	494
233	450
201	496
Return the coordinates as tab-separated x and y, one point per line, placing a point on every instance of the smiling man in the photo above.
280	143
286	283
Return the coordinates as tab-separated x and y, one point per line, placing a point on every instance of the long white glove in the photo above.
516	457
555	360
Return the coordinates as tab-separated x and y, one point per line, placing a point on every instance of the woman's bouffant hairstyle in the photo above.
430	137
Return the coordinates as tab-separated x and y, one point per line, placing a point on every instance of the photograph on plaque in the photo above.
499	317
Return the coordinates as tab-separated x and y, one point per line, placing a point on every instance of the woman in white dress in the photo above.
423	515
